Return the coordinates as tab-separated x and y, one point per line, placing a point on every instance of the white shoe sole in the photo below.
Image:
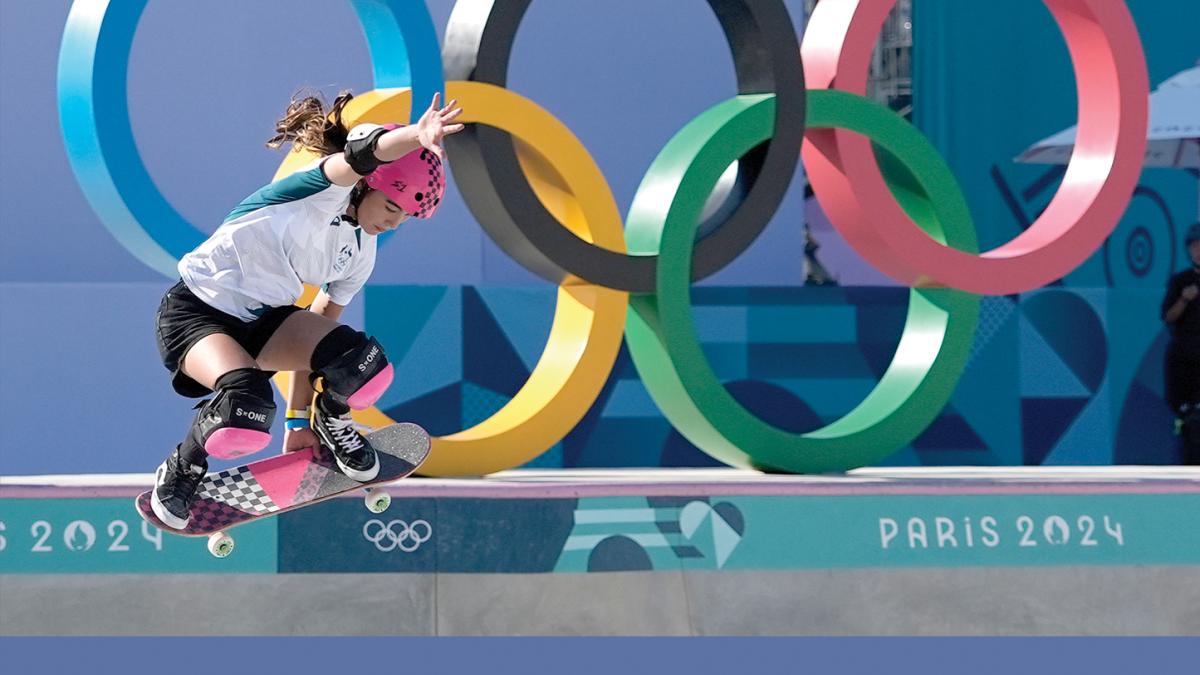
360	476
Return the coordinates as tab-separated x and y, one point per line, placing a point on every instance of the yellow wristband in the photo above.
302	413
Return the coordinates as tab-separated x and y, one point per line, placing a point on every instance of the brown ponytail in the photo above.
307	124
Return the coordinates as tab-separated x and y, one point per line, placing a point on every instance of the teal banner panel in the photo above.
967	531
629	533
426	535
803	532
341	535
99	535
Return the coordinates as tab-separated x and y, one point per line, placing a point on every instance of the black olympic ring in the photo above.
478	44
397	540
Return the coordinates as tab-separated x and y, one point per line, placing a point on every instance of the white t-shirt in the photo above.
289	233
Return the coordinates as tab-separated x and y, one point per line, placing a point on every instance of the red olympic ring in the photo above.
1110	71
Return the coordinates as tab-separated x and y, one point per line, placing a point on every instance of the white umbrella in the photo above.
1173	137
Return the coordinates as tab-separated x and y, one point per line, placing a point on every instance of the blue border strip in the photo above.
604	656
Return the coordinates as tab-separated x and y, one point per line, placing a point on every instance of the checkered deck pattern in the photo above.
207	515
237	487
210	516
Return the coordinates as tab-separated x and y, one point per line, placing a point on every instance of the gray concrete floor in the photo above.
967	601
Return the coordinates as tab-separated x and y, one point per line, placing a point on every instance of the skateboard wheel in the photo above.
220	544
377	501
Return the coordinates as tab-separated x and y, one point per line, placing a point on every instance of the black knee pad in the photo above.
337	343
237	420
247	395
252	382
352	368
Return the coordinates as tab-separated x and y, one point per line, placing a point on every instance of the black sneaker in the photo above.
354	455
175	484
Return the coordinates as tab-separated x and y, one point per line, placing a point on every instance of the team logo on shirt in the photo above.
343	259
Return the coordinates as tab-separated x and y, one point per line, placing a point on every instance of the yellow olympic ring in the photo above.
589	320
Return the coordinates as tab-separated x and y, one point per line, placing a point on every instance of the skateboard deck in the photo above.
282	483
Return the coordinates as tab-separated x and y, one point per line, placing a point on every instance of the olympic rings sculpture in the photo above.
535	190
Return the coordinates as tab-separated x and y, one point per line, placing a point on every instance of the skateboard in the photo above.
271	486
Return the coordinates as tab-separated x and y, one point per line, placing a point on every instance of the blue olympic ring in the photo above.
92	102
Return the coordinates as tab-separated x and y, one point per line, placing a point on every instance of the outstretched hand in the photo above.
299	439
435	124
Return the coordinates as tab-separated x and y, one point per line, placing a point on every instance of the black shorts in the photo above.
183	319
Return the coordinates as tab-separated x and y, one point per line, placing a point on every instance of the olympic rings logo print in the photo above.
536	191
386	538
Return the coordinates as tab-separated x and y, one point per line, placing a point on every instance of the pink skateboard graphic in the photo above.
277	484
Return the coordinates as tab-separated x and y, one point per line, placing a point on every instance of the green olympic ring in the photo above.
661	335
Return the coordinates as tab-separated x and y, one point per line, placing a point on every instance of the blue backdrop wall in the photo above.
988	84
84	391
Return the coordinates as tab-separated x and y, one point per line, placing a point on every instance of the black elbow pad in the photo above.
360	148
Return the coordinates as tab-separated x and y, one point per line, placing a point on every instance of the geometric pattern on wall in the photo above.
1036	389
1143	425
797	357
460	352
995	313
1144	433
1123	421
622	534
1063	362
980	424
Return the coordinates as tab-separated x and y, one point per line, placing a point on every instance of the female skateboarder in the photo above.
230	321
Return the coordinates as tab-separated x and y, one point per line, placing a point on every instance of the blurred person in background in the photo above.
1181	313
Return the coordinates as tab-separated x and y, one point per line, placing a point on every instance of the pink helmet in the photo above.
415	181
